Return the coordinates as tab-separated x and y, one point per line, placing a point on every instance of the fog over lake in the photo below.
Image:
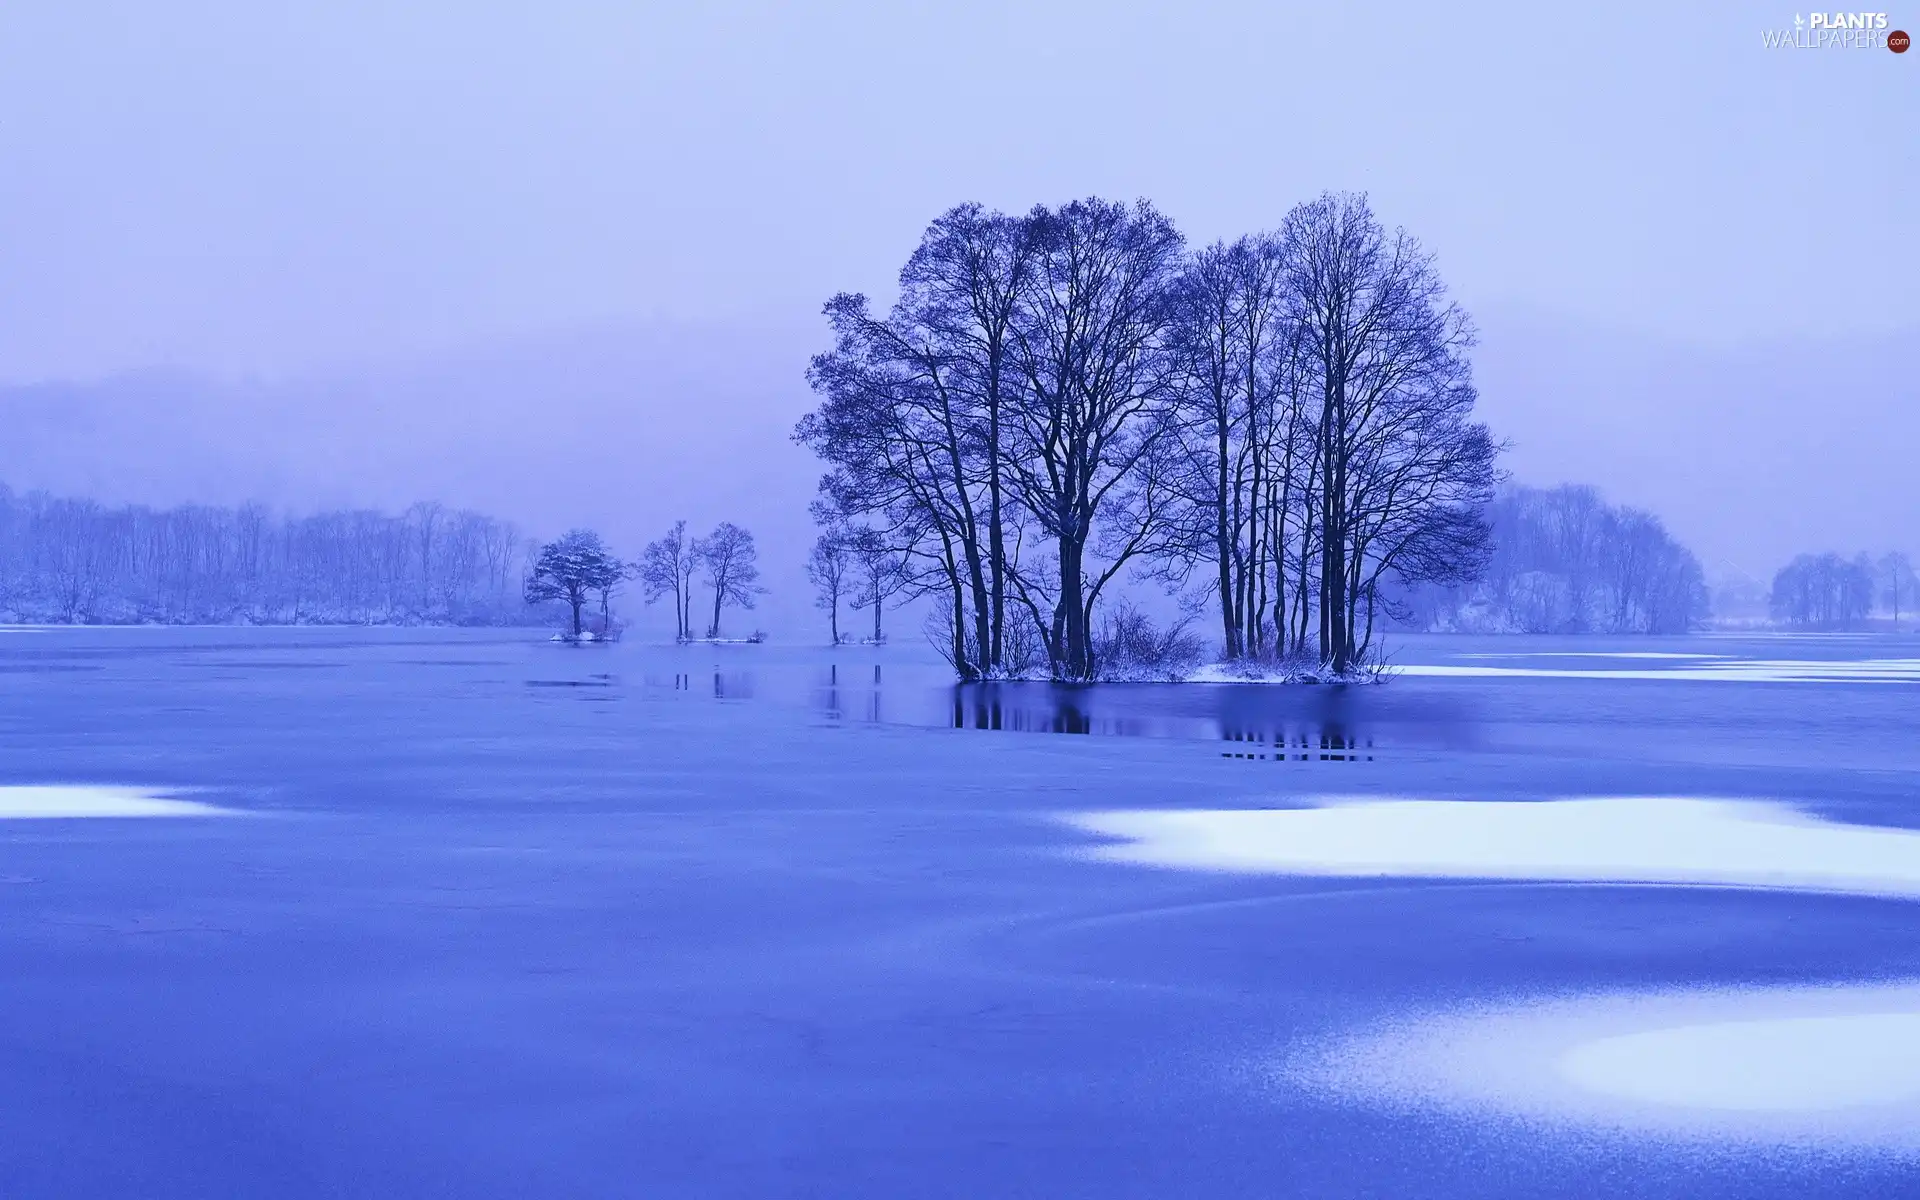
351	255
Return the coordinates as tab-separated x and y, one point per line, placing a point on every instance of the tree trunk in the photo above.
994	649
1337	619
1070	614
1225	536
957	644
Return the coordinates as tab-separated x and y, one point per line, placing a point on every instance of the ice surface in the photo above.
65	801
649	938
1627	839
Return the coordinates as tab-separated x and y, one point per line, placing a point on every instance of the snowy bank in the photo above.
1253	672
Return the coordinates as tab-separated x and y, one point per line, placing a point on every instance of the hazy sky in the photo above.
296	192
267	186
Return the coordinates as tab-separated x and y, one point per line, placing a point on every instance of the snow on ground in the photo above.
1835	1066
1629	839
67	801
1229	672
1781	670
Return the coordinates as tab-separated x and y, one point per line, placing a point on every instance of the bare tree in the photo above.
1236	407
426	517
830	570
882	574
914	420
1090	343
732	568
499	541
1403	473
666	568
608	588
1898	584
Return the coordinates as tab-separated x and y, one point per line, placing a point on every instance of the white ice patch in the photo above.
1776	1064
1673	654
1834	1065
66	801
1720	670
1631	839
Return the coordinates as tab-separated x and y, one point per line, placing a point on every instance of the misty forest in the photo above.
1090	450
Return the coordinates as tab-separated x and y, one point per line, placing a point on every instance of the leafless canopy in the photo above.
1061	397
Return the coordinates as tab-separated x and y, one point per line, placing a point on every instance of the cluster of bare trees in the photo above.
577	568
71	560
1282	423
1826	591
727	558
855	566
1565	561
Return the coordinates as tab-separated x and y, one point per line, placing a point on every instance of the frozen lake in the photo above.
391	913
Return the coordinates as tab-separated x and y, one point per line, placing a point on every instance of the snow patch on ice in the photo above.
1775	1064
1813	1065
1626	839
1780	670
69	801
1673	654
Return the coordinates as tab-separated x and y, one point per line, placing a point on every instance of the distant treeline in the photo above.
1565	561
1826	591
78	561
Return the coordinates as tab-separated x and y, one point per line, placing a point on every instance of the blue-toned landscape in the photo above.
1060	600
